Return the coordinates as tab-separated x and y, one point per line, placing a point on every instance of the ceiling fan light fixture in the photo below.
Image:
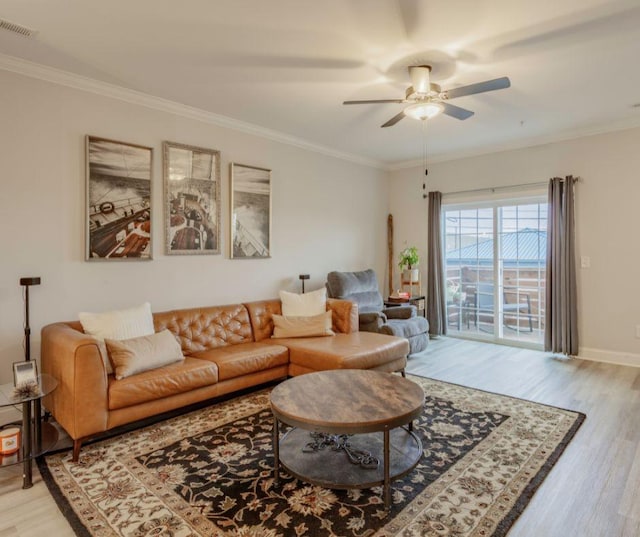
423	111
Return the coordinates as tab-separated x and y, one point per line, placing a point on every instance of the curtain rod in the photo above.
499	188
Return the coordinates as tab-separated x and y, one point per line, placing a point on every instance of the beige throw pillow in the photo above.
309	326
117	324
304	305
131	356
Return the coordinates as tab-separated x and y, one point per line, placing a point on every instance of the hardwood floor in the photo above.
593	490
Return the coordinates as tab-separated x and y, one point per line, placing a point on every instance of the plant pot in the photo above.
459	298
411	275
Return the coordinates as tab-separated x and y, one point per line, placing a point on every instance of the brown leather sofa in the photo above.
226	348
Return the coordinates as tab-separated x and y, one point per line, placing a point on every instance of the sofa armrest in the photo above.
344	315
80	401
372	322
372	317
400	312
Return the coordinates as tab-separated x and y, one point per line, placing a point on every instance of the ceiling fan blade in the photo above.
480	87
409	16
375	101
456	111
603	22
393	120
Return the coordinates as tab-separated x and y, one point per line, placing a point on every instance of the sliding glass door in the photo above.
495	258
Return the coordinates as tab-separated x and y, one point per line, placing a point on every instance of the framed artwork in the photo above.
250	212
192	199
24	372
118	200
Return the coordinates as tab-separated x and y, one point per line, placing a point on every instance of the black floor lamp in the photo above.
27	419
26	283
303	277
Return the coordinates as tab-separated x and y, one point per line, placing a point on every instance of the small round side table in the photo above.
37	437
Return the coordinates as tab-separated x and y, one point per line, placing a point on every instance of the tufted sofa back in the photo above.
260	313
199	329
344	316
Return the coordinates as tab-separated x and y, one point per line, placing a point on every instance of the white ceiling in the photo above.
287	65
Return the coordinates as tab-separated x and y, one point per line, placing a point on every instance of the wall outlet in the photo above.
585	262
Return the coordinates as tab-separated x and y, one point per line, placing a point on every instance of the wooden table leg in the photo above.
387	481
276	452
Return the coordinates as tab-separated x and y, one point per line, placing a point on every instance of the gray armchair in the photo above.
362	288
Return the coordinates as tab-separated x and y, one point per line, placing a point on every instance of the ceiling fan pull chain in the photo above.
424	151
424	157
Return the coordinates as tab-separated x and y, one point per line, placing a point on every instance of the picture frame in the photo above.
118	200
23	372
191	199
250	212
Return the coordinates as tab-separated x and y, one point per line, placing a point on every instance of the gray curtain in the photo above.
436	300
561	313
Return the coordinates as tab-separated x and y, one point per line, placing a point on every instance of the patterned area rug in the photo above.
209	473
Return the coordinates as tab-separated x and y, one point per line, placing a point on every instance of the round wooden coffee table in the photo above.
337	417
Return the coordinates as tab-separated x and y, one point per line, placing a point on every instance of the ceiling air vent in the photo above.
16	28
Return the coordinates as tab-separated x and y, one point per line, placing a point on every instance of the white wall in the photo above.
328	214
607	219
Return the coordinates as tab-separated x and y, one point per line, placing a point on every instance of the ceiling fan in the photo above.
427	99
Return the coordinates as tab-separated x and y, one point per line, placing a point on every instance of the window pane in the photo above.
469	213
505	301
508	212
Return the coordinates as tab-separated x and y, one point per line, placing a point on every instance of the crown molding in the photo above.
562	136
105	89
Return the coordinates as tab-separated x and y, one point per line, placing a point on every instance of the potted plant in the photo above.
455	295
409	260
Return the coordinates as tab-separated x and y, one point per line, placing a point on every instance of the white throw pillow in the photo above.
310	326
131	356
304	305
117	324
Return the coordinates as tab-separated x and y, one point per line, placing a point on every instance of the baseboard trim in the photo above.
609	357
